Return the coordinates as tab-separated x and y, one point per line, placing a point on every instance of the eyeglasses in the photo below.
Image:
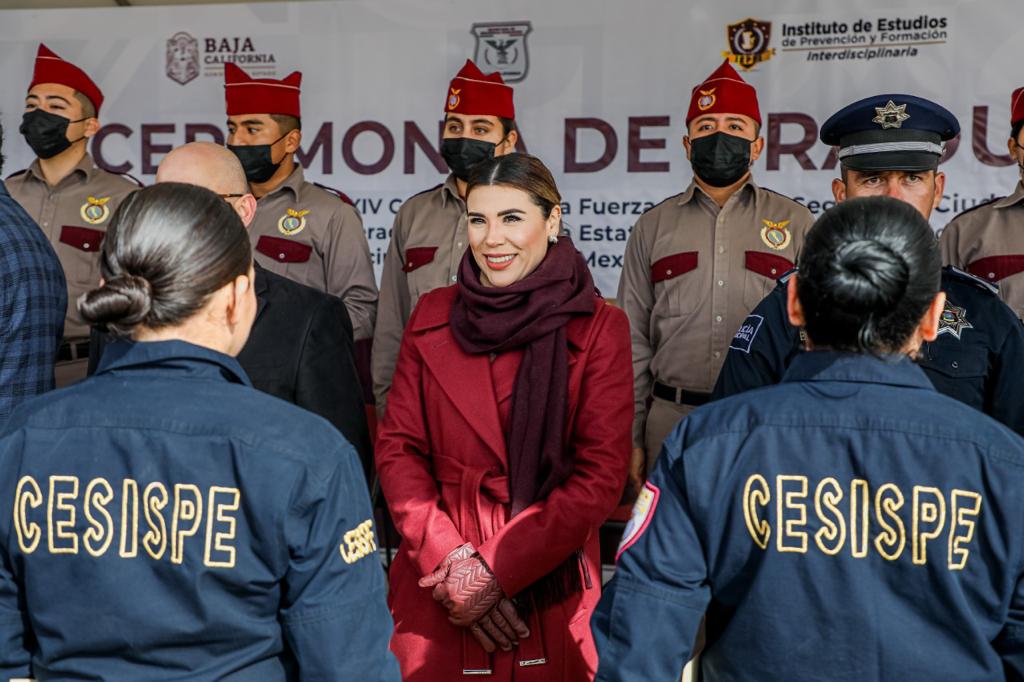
230	196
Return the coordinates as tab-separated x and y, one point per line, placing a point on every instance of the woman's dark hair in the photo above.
869	269
168	248
521	171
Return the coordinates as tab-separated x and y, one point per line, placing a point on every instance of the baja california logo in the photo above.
748	43
182	58
501	47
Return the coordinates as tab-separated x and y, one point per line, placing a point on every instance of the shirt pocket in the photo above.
676	283
284	251
420	273
79	246
761	273
956	369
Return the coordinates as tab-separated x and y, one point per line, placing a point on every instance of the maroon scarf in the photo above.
529	314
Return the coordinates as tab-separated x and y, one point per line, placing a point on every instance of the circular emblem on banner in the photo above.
775	235
292	222
707	99
94	211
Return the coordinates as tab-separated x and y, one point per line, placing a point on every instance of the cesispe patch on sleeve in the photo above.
643	510
744	338
358	542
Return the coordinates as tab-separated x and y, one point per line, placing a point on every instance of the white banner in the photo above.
602	88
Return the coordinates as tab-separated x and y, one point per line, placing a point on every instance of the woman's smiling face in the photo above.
508	233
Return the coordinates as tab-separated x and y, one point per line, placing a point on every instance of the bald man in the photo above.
300	347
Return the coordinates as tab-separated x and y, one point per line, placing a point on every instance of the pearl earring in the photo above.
553	239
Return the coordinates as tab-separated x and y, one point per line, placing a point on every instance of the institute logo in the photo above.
182	63
748	43
501	47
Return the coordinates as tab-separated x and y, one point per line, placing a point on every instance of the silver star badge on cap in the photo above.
891	115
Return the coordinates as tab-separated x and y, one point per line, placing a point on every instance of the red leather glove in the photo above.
465	585
501	626
441	572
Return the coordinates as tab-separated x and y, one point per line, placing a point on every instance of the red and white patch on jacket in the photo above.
643	510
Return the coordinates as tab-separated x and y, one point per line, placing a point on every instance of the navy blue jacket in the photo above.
978	357
850	523
163	520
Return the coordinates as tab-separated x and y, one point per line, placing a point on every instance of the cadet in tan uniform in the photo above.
304	231
696	264
988	240
65	192
429	234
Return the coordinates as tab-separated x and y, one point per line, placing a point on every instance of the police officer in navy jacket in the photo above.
891	145
163	519
850	523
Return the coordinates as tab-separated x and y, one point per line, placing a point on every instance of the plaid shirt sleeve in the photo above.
33	302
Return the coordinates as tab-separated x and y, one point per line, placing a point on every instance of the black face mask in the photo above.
462	153
46	133
720	159
256	160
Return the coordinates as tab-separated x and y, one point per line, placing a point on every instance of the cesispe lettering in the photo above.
358	542
169	518
795	514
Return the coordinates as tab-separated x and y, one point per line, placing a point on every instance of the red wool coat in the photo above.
443	466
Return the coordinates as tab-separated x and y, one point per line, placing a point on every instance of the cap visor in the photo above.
898	161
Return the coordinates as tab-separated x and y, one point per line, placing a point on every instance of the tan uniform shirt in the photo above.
988	242
427	243
74	215
312	236
692	272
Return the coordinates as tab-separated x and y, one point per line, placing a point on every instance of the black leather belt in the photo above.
680	396
73	350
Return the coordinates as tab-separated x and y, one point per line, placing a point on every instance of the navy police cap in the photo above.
890	132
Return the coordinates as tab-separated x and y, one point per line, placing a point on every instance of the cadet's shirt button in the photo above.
668	272
955	364
454	278
991	275
410	265
281	256
773	271
85	245
459	245
718	354
721	249
721	283
718	318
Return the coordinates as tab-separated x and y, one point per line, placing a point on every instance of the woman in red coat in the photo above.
505	446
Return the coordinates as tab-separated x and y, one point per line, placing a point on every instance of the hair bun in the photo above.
869	276
119	305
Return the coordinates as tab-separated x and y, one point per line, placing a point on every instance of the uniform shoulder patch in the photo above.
643	511
744	338
960	275
336	192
